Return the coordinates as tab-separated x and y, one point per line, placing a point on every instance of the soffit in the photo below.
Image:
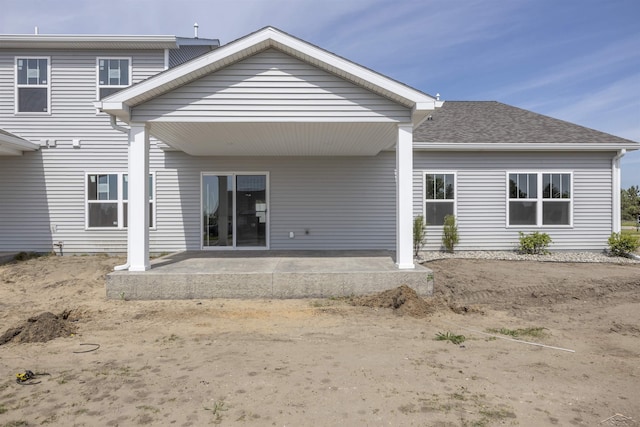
276	139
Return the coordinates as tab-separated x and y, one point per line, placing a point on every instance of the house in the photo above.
161	144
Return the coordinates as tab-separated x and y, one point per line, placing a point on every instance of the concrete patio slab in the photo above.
267	274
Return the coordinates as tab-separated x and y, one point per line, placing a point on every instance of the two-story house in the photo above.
163	144
70	185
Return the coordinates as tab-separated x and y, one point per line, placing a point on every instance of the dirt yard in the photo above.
326	362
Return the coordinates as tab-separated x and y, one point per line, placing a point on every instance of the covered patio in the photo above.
267	274
241	118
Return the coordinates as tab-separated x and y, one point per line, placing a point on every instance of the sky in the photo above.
575	60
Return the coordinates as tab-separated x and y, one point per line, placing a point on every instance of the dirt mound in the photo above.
403	300
41	328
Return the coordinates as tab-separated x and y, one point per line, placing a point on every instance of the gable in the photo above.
271	86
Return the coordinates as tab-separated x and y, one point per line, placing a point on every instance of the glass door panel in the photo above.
217	210
251	210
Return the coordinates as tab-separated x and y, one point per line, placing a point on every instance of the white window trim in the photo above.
539	199
120	200
99	86
18	86
424	193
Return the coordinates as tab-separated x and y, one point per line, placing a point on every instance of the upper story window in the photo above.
114	74
540	199
440	197
32	85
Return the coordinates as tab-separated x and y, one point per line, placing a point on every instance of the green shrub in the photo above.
621	244
419	234
450	233
534	243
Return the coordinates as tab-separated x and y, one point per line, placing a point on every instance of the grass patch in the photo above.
218	408
451	337
3	409
148	408
517	333
632	232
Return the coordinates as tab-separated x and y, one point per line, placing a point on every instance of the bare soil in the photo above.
364	361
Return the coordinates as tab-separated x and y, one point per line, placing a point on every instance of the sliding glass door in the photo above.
234	210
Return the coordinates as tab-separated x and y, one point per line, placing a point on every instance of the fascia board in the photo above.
443	146
180	75
351	68
251	44
88	40
118	109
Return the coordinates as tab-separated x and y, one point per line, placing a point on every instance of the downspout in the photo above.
123	130
615	184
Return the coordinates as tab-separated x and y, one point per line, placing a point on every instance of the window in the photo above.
107	200
523	198
540	199
440	197
114	74
556	199
32	85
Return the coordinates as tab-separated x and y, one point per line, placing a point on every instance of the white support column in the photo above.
138	202
404	197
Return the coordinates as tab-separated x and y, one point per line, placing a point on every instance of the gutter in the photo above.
520	146
125	130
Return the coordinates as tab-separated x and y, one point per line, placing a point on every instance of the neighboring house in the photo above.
270	142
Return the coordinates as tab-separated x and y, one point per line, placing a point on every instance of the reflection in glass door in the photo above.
234	211
251	211
217	210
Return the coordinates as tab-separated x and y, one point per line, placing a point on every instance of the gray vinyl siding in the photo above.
344	202
271	86
42	193
481	197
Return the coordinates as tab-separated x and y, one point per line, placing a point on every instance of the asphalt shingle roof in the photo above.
494	122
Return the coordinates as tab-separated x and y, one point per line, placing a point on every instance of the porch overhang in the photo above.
13	145
295	134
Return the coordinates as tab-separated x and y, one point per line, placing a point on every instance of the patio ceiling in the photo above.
276	139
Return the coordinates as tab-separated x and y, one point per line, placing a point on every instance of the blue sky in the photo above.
576	60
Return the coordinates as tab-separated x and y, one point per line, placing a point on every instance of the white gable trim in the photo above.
119	103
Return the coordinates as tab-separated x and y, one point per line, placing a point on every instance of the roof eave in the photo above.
89	41
448	146
117	109
15	146
271	38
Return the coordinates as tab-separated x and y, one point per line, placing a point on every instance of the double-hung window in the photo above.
107	200
440	196
540	199
32	85
113	75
